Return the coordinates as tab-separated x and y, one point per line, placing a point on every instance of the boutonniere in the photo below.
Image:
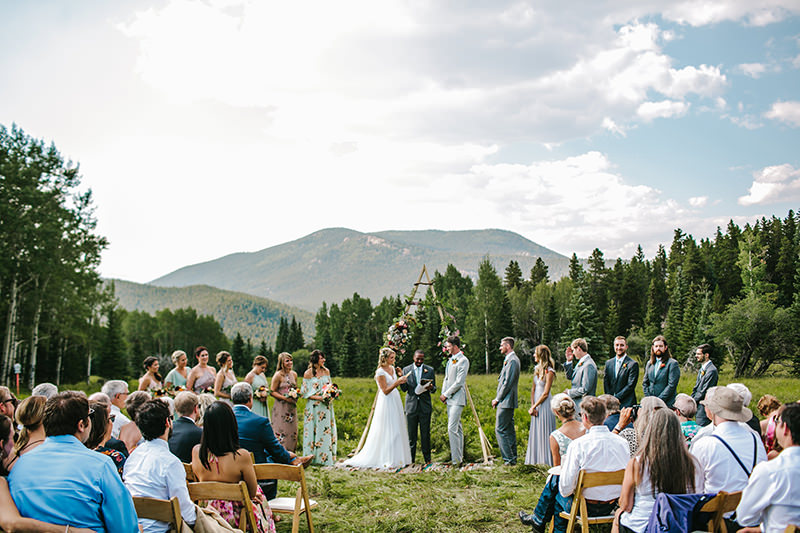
579	364
662	365
505	363
454	361
624	366
702	372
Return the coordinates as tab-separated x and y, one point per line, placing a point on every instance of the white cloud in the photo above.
698	201
612	126
761	13
788	112
754	70
663	109
779	183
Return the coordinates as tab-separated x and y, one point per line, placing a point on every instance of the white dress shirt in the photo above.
119	421
598	450
772	496
152	471
722	471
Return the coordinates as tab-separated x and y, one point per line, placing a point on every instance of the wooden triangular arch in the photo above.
486	447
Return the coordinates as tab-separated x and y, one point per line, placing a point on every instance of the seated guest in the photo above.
768	407
73	485
185	432
6	441
110	442
47	390
152	471
129	434
8	403
117	391
204	401
771	498
640	419
662	465
612	410
564	408
29	415
597	451
256	435
686	409
219	446
729	454
11	520
746	396
102	421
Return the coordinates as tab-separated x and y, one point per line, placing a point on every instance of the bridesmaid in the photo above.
202	376
543	421
177	376
225	378
284	410
319	428
151	379
257	379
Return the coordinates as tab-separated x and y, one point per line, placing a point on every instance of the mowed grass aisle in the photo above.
448	501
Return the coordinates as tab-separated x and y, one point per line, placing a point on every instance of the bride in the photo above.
387	441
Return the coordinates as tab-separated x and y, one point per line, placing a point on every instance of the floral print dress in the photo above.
319	425
284	415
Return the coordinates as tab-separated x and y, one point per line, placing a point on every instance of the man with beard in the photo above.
707	377
152	470
662	373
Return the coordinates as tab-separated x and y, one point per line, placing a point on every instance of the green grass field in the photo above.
450	501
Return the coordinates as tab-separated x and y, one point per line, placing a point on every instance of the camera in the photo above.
635	411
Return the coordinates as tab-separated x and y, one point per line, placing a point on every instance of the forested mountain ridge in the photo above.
332	264
252	316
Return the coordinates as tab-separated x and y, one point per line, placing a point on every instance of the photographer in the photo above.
640	416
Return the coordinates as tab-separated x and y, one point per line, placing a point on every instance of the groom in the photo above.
455	396
418	404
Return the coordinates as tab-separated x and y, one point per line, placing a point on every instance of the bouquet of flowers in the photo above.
262	393
292	393
399	334
330	391
158	393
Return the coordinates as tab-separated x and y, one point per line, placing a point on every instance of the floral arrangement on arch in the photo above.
399	334
448	328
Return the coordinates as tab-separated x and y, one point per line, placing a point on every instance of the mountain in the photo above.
331	264
252	316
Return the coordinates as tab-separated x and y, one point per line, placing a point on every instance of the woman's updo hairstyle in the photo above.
383	356
177	355
563	406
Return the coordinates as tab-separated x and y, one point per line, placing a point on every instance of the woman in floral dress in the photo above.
319	426
284	410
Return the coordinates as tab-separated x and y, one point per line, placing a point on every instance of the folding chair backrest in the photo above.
189	472
722	503
234	492
168	511
302	503
791	528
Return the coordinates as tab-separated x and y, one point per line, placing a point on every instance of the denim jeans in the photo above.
551	502
547	501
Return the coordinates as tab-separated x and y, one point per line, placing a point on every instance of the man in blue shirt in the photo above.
63	482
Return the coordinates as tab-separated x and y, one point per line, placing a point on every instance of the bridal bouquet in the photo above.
330	391
262	393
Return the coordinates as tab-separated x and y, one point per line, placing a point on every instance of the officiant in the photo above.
421	383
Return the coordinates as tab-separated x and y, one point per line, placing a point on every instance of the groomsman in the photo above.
505	401
455	396
662	373
707	377
621	374
583	374
418	404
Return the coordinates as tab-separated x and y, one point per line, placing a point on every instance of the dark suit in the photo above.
256	435
622	386
665	384
706	378
185	435
418	410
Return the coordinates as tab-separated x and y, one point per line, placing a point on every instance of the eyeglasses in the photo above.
91	412
111	418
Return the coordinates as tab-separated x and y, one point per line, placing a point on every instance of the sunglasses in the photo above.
111	418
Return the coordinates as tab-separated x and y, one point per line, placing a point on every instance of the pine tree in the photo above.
656	296
113	360
581	322
282	340
575	268
489	318
296	339
513	277
539	272
322	335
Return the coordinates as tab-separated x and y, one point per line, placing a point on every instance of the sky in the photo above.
205	128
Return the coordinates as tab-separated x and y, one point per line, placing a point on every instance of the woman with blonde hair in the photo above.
662	465
642	417
543	422
387	444
177	376
225	377
257	378
29	415
284	410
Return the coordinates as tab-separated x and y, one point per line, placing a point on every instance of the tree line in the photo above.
738	291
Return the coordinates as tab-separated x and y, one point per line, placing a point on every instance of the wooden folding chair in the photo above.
189	472
234	492
294	506
791	528
587	480
163	510
723	502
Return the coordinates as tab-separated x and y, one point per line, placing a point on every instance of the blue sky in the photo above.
211	127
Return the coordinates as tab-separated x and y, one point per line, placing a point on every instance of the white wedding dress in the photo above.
387	441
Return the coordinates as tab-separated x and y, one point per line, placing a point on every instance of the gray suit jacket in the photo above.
665	384
507	383
584	379
455	377
705	380
420	404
